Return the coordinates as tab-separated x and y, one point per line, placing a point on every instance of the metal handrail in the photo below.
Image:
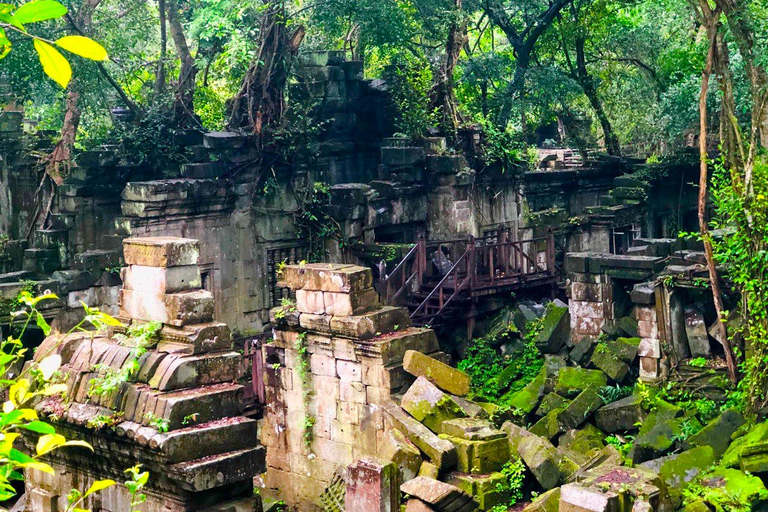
442	282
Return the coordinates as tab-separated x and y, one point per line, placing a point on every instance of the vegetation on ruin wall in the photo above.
743	250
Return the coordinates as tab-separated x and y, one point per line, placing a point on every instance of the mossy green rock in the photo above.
624	348
480	457
547	502
754	457
549	426
581	408
429	405
488	490
573	380
586	441
755	434
717	434
614	367
551	402
678	472
738	488
657	434
555	329
527	398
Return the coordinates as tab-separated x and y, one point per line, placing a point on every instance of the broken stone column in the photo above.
587	305
373	487
336	357
178	415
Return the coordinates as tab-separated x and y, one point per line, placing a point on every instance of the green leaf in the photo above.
39	427
42	324
8	18
39	10
54	63
83	46
5	44
99	485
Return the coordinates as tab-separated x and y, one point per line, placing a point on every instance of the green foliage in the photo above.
492	375
314	224
699	362
305	377
137	336
159	424
610	394
503	147
13	20
135	485
409	82
41	380
622	443
705	409
744	254
514	475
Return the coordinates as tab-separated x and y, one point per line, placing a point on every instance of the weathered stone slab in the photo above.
439	495
429	405
678	472
368	325
555	329
440	451
546	502
440	374
372	487
178	309
717	434
541	458
551	402
199	370
220	436
161	280
586	441
480	457
327	277
391	348
488	490
582	350
573	380
406	456
580	409
160	251
696	331
621	416
611	365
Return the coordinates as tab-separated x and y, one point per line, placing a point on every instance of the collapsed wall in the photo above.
336	358
179	416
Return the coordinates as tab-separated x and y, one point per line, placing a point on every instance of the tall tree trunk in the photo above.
443	93
58	162
260	101
590	91
184	104
741	25
160	77
712	23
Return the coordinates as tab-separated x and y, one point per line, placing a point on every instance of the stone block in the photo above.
578	498
160	251
223	140
488	490
679	471
696	331
210	439
372	487
177	309
644	293
555	330
582	350
649	347
546	502
628	326
440	496
440	451
580	409
349	304
587	441
624	348
541	458
621	416
717	433
573	380
440	374
429	405
206	404
310	301
549	426
391	349
369	325
195	339
397	448
199	370
657	434
611	365
471	429
327	277
650	368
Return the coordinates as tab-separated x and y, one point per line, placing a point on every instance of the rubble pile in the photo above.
572	427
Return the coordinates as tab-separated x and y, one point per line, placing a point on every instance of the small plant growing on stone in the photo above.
140	337
698	362
75	498
102	420
190	419
159	424
286	306
135	485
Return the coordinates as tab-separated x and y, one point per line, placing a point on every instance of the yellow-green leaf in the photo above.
99	485
83	46
39	10
82	444
5	44
49	442
54	63
41	466
54	389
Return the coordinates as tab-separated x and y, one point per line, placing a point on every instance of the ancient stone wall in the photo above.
335	360
178	416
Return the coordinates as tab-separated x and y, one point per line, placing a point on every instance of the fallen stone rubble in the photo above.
450	450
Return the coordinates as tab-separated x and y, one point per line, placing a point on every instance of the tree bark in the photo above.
590	91
712	19
160	77
443	93
184	103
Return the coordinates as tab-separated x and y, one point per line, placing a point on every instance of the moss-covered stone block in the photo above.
586	441
555	329
429	405
488	490
526	399
679	471
611	365
551	402
717	434
755	434
480	457
573	380
624	348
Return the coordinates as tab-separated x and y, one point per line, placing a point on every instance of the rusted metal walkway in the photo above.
441	280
